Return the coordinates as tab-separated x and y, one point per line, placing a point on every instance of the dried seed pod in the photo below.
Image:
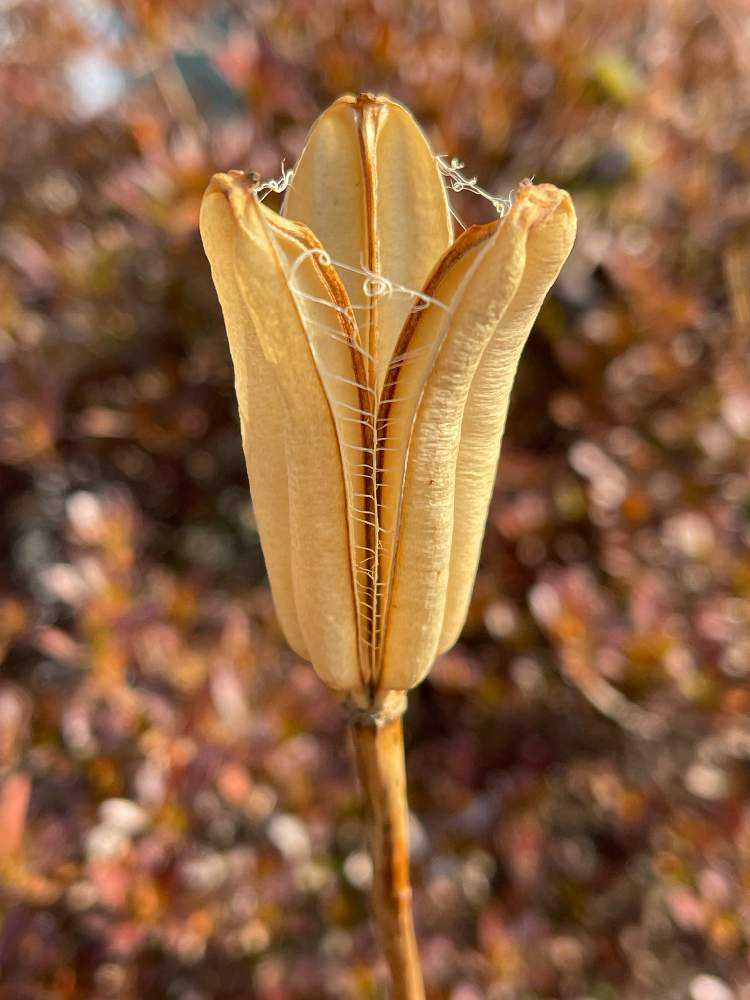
374	359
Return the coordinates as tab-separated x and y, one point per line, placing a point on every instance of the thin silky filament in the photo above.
363	449
353	409
348	381
458	218
400	359
391	419
313	321
451	169
317	346
367	515
413	352
379	285
349	406
374	285
359	421
361	520
371	524
400	399
325	260
319	329
369	574
308	319
276	184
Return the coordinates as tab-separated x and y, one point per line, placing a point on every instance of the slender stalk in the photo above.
379	751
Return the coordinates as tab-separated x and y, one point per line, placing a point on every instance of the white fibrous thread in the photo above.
457	181
276	184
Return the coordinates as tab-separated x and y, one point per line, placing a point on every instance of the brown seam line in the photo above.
337	292
367	115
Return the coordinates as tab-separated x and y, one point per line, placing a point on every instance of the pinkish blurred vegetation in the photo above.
178	809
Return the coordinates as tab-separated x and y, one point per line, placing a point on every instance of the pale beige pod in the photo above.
444	491
254	264
261	415
549	242
372	416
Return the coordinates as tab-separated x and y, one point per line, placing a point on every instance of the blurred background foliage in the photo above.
178	809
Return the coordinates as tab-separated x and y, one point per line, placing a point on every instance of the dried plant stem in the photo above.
380	762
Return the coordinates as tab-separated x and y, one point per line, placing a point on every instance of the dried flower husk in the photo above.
372	419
